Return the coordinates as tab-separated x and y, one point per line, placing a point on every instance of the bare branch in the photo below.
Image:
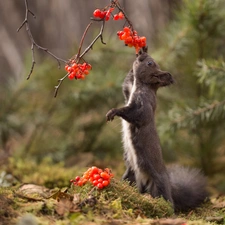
79	56
59	84
33	43
33	62
100	35
82	39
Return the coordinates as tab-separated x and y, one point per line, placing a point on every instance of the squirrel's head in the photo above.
147	71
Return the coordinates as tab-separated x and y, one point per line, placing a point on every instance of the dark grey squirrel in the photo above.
184	187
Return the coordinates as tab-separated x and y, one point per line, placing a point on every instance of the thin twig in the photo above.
82	39
33	43
59	84
100	35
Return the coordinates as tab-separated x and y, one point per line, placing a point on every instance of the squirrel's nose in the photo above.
171	79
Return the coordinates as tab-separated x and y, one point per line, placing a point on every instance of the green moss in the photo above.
119	203
122	199
45	173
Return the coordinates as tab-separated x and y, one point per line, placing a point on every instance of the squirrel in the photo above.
184	187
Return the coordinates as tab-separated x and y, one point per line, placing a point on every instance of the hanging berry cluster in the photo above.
131	38
105	14
128	35
97	177
77	70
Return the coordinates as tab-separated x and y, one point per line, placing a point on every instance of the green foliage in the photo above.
192	50
211	75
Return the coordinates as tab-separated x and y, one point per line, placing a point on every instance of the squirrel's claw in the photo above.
110	115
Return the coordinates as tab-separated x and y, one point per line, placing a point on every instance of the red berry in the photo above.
100	170
69	69
124	36
105	175
126	29
70	76
66	67
89	67
94	170
111	9
96	176
84	181
97	13
143	39
116	17
108	13
121	16
105	183
102	15
95	182
86	175
86	72
100	180
120	33
77	178
100	186
80	183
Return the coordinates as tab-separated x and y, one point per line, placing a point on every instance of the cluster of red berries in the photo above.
103	13
131	38
97	177
77	70
118	16
106	14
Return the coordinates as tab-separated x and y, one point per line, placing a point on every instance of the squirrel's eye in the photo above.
150	63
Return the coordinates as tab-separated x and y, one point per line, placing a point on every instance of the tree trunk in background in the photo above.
60	24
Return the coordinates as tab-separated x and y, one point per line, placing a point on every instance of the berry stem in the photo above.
100	35
116	3
82	41
59	84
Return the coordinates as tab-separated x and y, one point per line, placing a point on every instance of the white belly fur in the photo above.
127	143
130	152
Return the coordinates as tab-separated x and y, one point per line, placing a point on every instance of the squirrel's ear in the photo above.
142	50
145	49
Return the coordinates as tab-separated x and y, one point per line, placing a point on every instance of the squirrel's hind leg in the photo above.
129	175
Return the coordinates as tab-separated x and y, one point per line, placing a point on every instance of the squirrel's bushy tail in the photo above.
188	187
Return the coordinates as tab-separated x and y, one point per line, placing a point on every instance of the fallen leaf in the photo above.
32	192
169	221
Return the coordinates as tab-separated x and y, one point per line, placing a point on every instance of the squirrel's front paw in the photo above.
111	114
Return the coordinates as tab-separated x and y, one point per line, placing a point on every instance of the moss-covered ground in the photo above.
51	199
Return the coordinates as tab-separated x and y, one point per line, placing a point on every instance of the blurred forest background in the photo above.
187	38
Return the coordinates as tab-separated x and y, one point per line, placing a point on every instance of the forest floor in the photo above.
50	200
